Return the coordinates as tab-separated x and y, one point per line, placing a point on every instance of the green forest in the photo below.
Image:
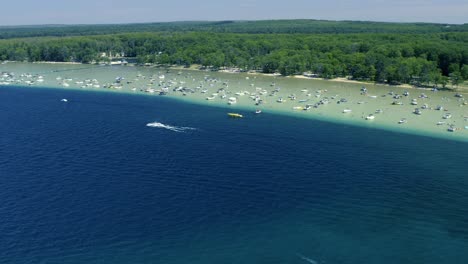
394	53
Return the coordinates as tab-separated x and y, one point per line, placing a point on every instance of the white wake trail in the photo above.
169	127
306	258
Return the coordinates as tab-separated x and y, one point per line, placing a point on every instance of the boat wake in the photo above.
168	127
309	260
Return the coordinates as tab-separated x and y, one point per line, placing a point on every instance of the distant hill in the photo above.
299	26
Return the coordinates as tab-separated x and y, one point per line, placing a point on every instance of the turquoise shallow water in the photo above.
221	86
88	182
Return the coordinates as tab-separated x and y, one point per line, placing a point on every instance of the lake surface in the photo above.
326	95
87	181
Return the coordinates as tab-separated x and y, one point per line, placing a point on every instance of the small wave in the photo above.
168	127
306	258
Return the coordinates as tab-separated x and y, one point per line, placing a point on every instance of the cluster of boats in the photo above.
214	89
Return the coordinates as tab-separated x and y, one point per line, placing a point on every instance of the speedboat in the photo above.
235	115
347	111
64	100
447	116
258	111
403	121
370	117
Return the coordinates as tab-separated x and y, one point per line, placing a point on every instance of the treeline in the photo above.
422	59
302	26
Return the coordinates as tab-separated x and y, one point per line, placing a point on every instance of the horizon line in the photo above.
227	20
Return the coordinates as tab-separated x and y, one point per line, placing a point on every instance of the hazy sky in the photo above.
29	12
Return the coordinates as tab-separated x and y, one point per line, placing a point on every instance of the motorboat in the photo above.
232	100
235	115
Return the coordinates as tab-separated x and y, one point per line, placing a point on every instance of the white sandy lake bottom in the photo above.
296	95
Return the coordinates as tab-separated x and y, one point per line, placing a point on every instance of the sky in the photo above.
37	12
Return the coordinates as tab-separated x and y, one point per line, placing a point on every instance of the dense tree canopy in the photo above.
427	59
304	26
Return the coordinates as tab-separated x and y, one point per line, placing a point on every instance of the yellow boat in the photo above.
235	115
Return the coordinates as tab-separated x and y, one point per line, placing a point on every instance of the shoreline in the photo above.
461	88
195	67
149	81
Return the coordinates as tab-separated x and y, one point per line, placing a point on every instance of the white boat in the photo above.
447	116
347	111
64	100
370	117
258	111
232	100
403	121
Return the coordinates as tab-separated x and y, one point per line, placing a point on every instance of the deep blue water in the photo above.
88	182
